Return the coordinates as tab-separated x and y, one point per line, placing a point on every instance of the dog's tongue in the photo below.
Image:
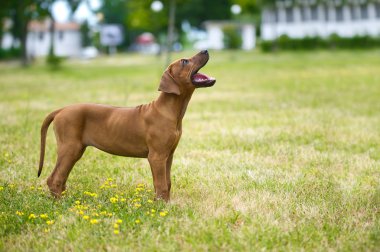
199	77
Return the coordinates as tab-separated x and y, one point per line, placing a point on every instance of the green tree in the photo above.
198	11
116	12
21	13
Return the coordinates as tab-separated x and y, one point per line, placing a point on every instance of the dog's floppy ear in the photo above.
167	84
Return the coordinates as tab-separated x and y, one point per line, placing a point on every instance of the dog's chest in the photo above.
177	134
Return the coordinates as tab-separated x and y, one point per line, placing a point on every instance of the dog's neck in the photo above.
173	106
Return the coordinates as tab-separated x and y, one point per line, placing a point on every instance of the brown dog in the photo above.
147	131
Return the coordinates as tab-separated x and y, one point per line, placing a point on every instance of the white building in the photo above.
215	35
312	18
67	38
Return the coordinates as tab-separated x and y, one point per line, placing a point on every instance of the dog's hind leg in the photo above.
68	155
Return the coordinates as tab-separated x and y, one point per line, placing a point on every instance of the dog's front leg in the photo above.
158	167
169	162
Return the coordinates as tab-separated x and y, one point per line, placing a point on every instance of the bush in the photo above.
311	43
54	62
232	38
10	53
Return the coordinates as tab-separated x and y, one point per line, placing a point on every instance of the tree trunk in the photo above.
52	33
23	41
20	30
170	30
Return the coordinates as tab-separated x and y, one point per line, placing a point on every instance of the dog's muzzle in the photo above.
200	80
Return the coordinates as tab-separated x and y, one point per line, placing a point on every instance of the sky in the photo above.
61	11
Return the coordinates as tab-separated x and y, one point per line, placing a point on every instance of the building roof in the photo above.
39	26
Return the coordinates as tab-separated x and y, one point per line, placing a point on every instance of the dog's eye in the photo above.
185	62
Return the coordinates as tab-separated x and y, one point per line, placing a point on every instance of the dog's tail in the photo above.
44	129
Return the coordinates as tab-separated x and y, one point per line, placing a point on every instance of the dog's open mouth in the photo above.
202	80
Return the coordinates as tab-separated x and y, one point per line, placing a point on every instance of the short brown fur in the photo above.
147	131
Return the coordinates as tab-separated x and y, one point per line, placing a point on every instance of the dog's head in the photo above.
182	75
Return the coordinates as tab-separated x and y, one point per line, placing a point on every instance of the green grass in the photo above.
283	153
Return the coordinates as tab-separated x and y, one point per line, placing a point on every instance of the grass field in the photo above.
283	153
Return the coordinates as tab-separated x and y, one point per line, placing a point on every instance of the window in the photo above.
314	13
60	35
377	9
364	11
289	15
276	16
303	13
326	13
353	12
339	13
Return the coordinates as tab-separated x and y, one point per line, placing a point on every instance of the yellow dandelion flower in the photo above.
19	213
153	211
103	213
163	214
109	179
39	188
110	214
123	200
94	221
116	232
137	205
95	214
50	222
77	202
32	188
114	200
152	215
119	221
80	212
46	230
115	226
86	217
1	188
137	221
43	216
150	201
11	185
32	216
91	194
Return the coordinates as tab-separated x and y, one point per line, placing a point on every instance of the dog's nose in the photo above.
204	52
